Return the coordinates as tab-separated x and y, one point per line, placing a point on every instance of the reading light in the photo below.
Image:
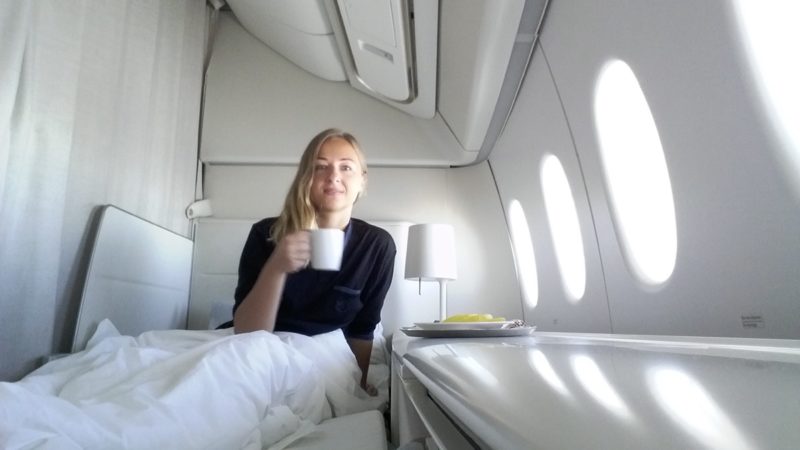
431	256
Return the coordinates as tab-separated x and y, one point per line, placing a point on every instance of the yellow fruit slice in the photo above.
474	317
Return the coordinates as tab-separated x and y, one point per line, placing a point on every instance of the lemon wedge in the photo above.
473	317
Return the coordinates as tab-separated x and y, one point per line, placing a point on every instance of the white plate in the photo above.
464	325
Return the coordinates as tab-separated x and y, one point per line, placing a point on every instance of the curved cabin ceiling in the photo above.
395	51
297	29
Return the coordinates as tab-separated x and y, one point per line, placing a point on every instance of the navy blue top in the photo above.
314	301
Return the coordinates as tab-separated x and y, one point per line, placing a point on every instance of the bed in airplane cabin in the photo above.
138	379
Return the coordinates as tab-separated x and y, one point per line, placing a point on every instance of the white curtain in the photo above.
99	103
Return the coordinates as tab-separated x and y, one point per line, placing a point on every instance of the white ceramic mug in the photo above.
327	246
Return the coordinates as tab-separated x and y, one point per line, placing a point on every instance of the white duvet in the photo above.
183	389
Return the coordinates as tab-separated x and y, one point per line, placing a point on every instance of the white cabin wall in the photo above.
486	281
738	219
537	127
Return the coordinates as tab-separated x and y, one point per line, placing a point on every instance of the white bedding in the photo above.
185	389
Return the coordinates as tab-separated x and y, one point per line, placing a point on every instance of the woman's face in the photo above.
338	177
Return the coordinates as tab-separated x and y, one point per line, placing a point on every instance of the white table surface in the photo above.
565	390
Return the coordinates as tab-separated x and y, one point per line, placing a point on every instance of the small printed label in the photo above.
752	321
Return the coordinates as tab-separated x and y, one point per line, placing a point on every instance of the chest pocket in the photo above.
345	301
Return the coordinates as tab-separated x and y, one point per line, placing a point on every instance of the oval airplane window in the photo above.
636	174
770	36
523	253
564	227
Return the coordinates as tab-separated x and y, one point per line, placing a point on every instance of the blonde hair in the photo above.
298	213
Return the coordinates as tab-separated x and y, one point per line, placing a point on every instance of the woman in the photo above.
277	291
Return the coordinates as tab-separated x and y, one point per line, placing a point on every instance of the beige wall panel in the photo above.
463	197
261	108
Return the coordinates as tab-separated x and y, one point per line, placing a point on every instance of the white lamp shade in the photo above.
431	252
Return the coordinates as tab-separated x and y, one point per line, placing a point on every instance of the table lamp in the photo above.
431	256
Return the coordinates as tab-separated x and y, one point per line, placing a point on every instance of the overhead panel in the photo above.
479	36
297	29
378	37
389	50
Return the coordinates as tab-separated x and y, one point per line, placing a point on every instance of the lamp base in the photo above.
442	300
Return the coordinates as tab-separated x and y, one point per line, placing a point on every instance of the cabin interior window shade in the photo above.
637	179
523	253
105	100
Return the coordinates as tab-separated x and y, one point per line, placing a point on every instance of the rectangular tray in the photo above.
466	325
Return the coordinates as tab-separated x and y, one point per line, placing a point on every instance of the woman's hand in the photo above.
292	253
259	308
370	389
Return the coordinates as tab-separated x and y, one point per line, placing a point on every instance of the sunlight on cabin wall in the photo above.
523	253
636	174
772	42
564	227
